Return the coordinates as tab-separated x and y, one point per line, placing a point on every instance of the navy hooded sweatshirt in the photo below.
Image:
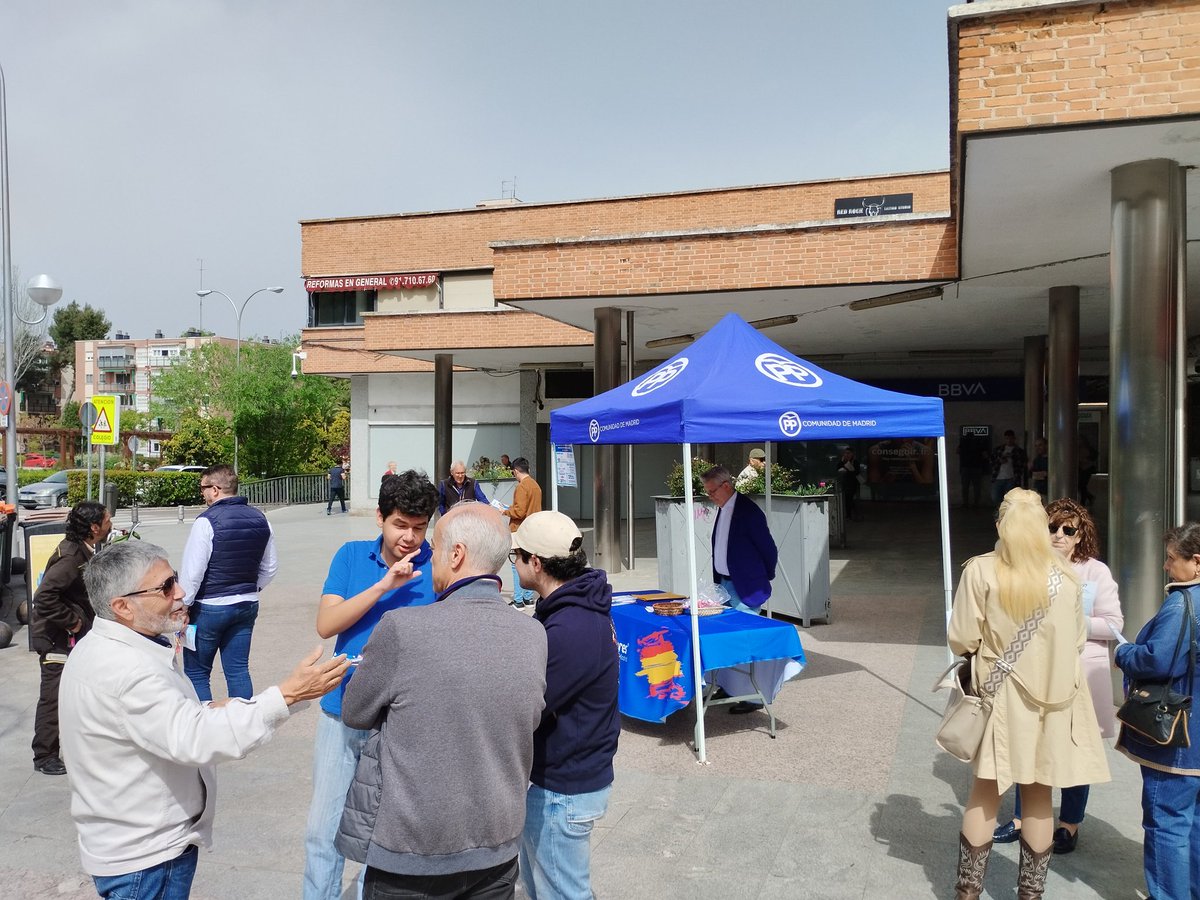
574	745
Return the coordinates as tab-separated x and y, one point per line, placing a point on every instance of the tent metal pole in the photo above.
553	476
944	513
693	593
767	472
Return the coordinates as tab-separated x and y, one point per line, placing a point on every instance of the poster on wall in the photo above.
902	468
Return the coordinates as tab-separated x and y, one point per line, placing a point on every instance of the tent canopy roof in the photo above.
735	384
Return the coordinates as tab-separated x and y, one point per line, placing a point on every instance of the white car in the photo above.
181	468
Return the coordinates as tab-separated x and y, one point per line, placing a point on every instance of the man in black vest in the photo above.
229	557
458	488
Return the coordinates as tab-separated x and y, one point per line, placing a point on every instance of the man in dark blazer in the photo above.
744	555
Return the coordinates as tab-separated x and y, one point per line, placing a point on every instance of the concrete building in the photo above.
1053	264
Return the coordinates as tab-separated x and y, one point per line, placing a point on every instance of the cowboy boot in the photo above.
1031	876
972	864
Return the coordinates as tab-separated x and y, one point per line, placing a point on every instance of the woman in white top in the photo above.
1073	534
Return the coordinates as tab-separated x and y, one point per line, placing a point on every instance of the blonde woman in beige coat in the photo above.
1042	732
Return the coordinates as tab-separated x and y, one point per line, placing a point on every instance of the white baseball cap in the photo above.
548	534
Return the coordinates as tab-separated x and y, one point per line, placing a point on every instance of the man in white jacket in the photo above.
141	745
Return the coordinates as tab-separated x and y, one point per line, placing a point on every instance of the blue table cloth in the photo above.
656	677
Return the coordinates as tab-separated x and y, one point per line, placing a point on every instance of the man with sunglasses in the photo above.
141	745
229	557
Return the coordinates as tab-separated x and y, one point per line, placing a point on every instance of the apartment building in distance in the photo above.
127	367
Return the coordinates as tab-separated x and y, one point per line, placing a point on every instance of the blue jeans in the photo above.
520	595
228	629
1074	802
1171	820
1000	487
556	846
170	880
735	599
335	757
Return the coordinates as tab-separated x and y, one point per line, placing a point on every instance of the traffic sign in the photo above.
106	430
87	415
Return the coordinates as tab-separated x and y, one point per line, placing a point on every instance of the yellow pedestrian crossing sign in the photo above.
107	427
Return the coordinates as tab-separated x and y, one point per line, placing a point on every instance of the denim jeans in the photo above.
170	880
335	757
497	883
735	599
1074	803
1171	820
1000	487
338	494
228	629
556	850
520	595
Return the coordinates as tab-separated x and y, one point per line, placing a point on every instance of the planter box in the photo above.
501	490
800	527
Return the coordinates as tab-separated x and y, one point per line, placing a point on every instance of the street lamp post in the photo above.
237	312
43	290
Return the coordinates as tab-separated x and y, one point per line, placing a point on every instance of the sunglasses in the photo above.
166	588
1068	530
205	487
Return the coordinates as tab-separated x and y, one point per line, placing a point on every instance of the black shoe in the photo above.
719	694
1064	841
51	765
1007	833
744	706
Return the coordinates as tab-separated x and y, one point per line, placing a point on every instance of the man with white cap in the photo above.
574	745
754	468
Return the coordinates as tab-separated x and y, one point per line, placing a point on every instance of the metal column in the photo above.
443	413
1035	394
606	483
1063	412
629	497
1146	470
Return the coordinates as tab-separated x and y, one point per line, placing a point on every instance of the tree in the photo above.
199	442
284	424
73	323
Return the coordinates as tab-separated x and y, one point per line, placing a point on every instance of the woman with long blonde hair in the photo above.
1018	609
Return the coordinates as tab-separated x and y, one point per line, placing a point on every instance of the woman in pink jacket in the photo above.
1073	534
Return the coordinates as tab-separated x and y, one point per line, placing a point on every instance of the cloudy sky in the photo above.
147	135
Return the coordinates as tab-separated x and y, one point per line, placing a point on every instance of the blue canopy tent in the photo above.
734	384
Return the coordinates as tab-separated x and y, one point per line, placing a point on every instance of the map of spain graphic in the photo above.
660	666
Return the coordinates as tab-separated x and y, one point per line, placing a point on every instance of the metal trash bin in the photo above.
110	498
7	524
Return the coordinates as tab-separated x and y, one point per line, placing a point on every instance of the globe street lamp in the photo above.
43	290
237	312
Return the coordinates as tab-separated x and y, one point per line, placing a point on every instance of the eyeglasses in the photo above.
1068	530
517	551
205	487
166	588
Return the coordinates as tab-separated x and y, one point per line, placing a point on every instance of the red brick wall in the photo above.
499	328
459	240
854	254
1092	63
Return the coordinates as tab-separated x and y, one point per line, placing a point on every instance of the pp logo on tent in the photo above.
789	424
594	431
786	371
655	380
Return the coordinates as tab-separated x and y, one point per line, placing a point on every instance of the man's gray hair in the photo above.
118	569
719	474
482	530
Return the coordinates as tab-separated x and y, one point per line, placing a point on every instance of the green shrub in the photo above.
150	488
783	481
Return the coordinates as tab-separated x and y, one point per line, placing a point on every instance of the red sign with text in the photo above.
371	282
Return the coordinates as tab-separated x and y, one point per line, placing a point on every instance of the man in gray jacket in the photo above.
455	691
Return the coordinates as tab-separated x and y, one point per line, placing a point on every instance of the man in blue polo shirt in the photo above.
366	580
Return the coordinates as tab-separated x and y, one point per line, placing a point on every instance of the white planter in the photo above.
800	528
500	490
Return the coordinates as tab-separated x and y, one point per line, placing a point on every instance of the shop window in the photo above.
333	308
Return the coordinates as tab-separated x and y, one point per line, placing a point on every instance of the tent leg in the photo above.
693	593
553	478
944	514
767	478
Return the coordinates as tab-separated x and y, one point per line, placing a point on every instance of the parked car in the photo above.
40	461
181	468
44	494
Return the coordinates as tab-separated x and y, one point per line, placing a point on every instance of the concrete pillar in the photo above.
528	423
606	483
1063	403
1035	394
443	414
1146	471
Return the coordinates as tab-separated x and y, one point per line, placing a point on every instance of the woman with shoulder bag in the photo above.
1073	535
1170	775
1018	609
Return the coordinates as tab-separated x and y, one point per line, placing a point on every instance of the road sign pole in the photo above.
100	497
